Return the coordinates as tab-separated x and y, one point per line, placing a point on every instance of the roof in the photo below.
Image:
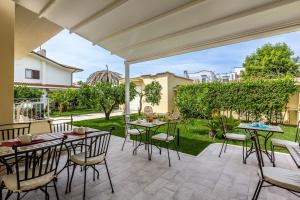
44	85
158	74
141	30
75	69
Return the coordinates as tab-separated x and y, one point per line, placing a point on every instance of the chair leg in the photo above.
257	190
71	180
55	188
225	146
84	184
244	161
124	142
168	154
111	185
68	177
18	197
176	149
222	148
273	154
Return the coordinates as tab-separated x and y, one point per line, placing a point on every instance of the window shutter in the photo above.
35	74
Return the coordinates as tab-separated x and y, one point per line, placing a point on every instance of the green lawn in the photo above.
193	133
73	112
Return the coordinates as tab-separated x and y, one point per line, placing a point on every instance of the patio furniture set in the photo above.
35	162
137	128
273	176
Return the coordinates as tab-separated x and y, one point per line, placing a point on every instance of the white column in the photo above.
127	91
7	23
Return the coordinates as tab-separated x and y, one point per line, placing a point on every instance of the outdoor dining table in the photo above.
42	140
260	131
148	126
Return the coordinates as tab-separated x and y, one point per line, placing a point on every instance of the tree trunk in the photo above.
107	114
141	102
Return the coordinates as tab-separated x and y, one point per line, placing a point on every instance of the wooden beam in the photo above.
229	39
209	24
151	20
45	8
115	4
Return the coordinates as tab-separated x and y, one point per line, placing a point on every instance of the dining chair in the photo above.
167	138
8	132
132	131
12	131
93	154
36	170
228	136
61	125
279	143
275	176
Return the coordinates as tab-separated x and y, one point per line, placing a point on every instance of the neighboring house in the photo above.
203	76
168	81
207	76
36	70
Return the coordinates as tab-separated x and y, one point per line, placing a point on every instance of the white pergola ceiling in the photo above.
140	30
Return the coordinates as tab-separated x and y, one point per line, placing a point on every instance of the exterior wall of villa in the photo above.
50	74
168	81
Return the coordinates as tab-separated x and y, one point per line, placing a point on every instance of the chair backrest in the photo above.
257	152
12	131
223	124
66	125
37	160
171	128
96	144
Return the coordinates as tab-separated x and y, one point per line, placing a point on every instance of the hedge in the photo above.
251	99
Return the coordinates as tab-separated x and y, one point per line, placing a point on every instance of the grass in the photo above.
193	133
73	112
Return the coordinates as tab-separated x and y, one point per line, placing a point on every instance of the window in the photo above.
32	74
204	78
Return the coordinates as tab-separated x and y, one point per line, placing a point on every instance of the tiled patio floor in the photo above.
205	176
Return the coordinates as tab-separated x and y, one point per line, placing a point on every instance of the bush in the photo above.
27	92
251	99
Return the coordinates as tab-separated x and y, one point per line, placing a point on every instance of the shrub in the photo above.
251	99
27	92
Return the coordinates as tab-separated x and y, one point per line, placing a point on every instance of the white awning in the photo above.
141	30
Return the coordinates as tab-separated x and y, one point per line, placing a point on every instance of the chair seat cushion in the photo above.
163	137
235	136
284	178
10	181
282	143
79	159
135	131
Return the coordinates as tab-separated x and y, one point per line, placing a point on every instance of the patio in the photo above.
205	176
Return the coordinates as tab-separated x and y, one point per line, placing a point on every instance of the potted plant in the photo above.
213	126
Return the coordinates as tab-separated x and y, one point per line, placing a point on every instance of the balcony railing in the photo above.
27	110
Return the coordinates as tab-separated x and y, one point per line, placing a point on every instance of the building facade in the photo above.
36	70
168	81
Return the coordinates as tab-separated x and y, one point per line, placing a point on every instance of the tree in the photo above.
153	93
109	96
103	76
86	96
27	92
271	61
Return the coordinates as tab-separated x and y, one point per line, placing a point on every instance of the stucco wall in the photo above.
50	74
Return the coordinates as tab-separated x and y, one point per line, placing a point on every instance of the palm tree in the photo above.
104	76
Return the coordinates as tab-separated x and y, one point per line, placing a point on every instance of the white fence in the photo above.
26	110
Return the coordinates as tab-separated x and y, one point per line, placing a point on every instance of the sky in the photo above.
71	49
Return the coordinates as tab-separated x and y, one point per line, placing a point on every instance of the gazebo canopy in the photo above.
141	30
